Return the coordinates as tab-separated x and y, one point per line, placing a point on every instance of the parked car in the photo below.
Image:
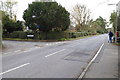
118	36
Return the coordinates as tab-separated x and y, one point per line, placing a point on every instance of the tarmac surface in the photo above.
65	59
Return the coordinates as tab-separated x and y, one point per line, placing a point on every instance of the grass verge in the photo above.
80	37
118	44
17	39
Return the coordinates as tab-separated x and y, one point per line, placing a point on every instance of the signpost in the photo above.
38	26
0	43
0	29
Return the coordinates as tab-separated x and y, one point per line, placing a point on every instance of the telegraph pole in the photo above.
0	29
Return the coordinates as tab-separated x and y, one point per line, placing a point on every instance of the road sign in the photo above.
38	26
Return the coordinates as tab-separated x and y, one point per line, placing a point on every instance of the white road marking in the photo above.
56	43
7	53
37	47
26	51
54	53
17	51
47	44
85	70
31	49
14	68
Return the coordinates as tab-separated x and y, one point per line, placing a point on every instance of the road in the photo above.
64	60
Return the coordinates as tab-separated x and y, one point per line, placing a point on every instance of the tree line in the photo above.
50	17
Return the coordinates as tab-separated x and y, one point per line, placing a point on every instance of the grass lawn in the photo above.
17	39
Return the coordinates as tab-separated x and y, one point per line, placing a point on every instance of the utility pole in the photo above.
0	43
1	9
0	29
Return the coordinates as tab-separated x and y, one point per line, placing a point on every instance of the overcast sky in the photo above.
97	7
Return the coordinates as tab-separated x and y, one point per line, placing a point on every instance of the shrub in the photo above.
62	39
54	35
18	34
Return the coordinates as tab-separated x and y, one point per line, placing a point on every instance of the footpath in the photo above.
107	66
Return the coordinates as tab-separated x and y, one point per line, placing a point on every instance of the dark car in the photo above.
118	36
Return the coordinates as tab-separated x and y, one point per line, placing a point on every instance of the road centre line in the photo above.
54	53
7	53
28	50
14	68
17	51
89	64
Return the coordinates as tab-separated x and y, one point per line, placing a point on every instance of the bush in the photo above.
18	34
62	39
61	36
6	35
54	35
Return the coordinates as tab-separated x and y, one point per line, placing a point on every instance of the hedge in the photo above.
48	35
19	34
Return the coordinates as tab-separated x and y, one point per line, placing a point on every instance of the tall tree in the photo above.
98	25
113	20
9	22
81	15
102	22
8	7
9	25
47	16
95	27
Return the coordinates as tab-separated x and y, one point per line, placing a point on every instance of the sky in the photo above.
97	7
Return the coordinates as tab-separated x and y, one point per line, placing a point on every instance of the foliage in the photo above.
18	34
98	26
10	26
8	7
48	15
101	22
62	39
80	16
9	22
113	19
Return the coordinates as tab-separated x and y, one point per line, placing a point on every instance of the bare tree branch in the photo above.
81	15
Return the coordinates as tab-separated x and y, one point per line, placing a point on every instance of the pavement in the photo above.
106	64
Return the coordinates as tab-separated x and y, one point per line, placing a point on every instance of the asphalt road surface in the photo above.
64	60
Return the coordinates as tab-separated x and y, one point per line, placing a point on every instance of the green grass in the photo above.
118	44
80	37
17	39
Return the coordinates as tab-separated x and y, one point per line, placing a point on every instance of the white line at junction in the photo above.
14	68
54	53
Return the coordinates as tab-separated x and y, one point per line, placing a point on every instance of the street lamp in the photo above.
37	26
